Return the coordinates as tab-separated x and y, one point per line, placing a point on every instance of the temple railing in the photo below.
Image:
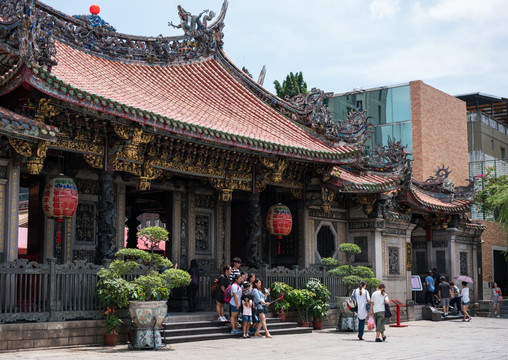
295	277
30	291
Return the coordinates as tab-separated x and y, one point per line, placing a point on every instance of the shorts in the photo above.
234	308
246	318
445	301
495	300
261	309
466	302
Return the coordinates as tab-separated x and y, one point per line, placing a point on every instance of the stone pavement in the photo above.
482	338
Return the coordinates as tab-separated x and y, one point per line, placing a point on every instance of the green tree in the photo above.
292	86
493	198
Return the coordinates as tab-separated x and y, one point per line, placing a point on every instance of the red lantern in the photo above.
60	200
279	220
95	9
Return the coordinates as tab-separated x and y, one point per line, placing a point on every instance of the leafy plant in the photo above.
328	261
293	85
280	290
301	300
319	305
113	322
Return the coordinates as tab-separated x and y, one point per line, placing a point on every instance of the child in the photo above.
247	303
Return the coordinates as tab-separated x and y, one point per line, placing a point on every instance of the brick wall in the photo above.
439	125
494	235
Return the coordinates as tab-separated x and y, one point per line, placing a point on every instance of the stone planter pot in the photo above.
304	324
147	318
110	339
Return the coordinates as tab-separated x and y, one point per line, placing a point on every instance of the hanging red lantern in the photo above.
95	9
279	220
60	200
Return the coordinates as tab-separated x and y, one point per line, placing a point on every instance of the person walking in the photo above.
455	298
464	293
261	306
444	294
496	293
235	303
192	289
377	306
429	293
362	300
222	284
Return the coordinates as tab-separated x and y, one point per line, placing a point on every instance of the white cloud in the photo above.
460	10
381	9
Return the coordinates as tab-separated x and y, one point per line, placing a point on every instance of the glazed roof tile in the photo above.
352	181
431	203
16	125
199	97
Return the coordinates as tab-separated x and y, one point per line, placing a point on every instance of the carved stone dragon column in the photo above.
106	217
251	249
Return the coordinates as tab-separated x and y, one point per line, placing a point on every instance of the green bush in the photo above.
319	305
301	300
278	289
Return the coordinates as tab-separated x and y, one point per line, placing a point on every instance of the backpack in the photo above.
351	303
227	293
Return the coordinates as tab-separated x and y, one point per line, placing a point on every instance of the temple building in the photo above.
169	126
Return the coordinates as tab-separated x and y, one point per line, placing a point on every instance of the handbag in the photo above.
351	303
500	298
388	312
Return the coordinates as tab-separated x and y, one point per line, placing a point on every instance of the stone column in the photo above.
106	218
176	227
378	255
3	205
11	220
120	219
251	250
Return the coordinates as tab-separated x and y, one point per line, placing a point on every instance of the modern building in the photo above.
487	122
433	127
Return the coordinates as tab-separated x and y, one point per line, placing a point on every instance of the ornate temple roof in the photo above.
182	85
430	203
363	182
22	127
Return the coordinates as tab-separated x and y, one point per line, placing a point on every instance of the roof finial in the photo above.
95	9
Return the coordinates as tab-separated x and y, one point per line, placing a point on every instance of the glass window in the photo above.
325	242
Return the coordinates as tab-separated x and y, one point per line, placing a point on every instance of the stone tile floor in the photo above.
482	338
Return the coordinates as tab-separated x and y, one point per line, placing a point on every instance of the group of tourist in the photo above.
248	298
439	291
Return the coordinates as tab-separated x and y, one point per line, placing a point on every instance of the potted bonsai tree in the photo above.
279	292
319	304
351	276
148	293
301	300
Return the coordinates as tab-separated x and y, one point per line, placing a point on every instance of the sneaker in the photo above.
223	319
498	316
219	318
384	338
244	336
379	340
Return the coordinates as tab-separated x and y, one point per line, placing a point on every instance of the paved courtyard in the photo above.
482	338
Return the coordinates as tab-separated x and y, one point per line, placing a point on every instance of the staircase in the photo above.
503	309
184	327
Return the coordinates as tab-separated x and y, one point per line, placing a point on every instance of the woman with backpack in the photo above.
361	294
220	289
377	306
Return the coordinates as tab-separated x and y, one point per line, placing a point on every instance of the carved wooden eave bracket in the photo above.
227	184
367	201
327	198
325	171
35	152
276	167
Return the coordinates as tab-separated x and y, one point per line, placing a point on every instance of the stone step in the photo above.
228	335
175	332
204	323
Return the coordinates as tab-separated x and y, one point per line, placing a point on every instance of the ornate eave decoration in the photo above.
33	27
390	158
313	112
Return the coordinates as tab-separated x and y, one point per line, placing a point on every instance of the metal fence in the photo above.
30	291
295	277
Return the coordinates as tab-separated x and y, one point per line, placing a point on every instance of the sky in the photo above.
457	46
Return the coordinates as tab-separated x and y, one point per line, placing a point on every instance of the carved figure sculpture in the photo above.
192	25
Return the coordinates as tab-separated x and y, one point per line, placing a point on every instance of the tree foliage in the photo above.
292	86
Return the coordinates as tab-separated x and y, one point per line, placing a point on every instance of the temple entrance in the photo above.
501	271
239	228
